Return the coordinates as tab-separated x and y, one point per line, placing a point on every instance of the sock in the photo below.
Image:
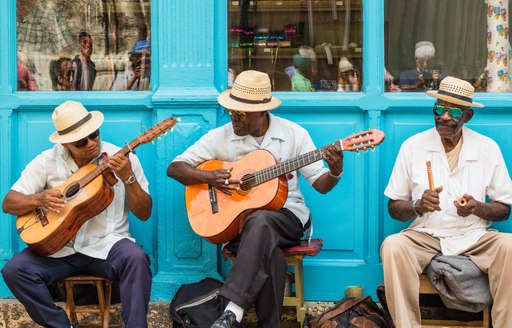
236	309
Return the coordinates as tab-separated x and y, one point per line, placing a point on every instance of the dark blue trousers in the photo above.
259	272
28	276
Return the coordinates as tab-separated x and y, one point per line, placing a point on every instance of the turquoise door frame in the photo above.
189	68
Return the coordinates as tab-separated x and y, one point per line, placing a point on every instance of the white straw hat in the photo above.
73	122
251	92
456	91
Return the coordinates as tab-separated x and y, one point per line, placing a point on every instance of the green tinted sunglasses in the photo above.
453	111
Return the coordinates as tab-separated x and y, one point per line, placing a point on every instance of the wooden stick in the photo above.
430	177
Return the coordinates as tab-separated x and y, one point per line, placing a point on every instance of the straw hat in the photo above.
456	91
251	92
73	122
345	65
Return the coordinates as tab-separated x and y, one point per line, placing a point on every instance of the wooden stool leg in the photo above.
108	294
70	302
299	291
101	299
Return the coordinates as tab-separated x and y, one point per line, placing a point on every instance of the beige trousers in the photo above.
406	254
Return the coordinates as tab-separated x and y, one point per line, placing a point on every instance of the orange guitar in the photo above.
87	192
219	217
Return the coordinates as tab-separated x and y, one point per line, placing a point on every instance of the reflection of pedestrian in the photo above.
136	76
42	34
61	72
302	74
348	76
26	81
423	77
84	70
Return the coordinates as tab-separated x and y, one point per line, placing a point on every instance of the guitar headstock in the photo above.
363	140
157	130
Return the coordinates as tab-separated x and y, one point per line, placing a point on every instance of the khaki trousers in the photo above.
406	254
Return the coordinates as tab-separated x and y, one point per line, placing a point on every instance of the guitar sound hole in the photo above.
247	182
72	190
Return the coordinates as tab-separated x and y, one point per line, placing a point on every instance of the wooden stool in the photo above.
294	256
103	288
426	287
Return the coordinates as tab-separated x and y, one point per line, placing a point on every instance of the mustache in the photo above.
450	125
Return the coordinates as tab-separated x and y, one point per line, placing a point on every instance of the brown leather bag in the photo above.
352	312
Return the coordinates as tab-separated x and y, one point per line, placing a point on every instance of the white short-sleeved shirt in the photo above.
481	172
96	237
284	139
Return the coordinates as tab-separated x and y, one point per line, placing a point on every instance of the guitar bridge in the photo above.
213	199
41	216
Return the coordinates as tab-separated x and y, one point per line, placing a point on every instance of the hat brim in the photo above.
453	100
226	101
81	132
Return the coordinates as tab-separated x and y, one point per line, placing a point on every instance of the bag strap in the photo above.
343	307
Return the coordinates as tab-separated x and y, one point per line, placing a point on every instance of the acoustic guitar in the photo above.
219	217
87	192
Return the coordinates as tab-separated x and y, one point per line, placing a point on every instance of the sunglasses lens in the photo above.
439	110
80	143
455	112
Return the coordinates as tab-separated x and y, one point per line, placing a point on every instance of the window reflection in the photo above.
299	43
83	45
428	40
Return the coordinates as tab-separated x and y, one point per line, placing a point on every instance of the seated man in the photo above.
259	271
103	246
467	165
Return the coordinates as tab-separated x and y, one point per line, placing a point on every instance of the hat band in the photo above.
454	95
76	125
249	101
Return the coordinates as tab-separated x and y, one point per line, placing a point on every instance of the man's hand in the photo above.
429	201
469	205
221	179
333	156
120	165
51	200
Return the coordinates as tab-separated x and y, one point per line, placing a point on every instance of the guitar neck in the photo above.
288	166
86	179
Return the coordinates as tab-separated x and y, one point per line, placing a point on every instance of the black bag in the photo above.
197	305
352	312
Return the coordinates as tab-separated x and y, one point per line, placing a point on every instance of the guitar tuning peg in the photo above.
178	119
172	129
365	149
357	152
159	138
153	142
165	134
373	149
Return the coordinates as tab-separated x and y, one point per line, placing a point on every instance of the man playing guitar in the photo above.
103	246
258	274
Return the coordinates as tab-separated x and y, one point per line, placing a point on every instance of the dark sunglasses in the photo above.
82	142
240	114
454	112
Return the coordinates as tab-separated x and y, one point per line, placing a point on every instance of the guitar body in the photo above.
223	225
46	235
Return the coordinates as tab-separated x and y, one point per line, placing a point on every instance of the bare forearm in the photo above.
16	203
139	201
187	174
494	211
401	210
325	183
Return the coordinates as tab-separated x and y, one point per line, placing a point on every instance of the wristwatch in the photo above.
131	179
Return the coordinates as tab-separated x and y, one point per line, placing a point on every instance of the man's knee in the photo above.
505	243
393	245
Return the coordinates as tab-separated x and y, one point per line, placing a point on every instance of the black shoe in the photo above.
226	320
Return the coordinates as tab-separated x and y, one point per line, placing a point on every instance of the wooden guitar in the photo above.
219	217
87	192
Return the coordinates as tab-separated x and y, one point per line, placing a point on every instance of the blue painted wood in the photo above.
189	69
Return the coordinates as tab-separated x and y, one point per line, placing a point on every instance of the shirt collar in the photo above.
467	151
274	131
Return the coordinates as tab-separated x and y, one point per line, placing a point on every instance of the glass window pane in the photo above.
304	45
428	40
83	44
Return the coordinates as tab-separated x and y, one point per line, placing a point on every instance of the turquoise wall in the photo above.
189	69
